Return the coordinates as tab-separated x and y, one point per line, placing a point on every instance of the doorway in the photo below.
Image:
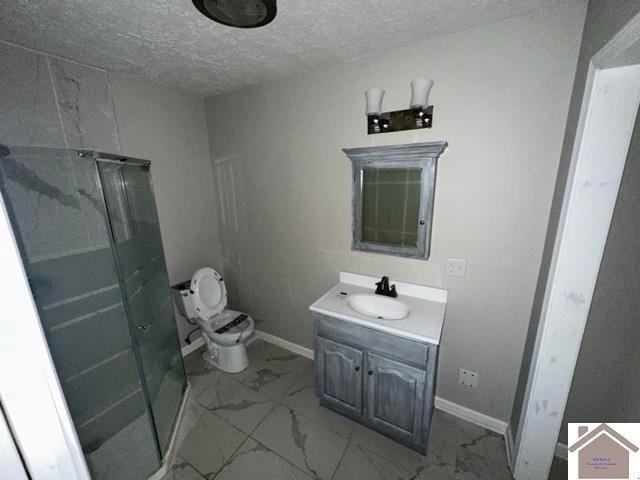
607	120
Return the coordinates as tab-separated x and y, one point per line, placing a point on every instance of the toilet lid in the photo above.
208	293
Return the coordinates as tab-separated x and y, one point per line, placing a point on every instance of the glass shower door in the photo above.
131	205
59	219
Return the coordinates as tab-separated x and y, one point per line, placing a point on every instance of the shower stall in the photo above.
88	232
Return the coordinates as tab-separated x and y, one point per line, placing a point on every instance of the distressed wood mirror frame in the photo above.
420	156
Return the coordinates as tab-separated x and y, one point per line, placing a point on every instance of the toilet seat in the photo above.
210	326
208	293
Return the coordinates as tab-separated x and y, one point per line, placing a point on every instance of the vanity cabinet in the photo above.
339	375
381	380
395	397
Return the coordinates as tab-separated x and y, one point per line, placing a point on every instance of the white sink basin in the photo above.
378	306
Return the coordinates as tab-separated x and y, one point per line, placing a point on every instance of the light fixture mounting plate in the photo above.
400	120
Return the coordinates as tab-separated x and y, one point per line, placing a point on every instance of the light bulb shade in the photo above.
374	101
420	89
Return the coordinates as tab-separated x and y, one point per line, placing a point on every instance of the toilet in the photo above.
205	301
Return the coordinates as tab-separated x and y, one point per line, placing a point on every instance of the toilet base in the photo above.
230	359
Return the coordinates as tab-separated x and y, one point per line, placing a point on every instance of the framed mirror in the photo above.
393	190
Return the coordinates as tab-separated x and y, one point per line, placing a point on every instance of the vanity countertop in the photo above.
427	307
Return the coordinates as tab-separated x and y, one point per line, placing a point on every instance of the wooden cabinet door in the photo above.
395	395
339	376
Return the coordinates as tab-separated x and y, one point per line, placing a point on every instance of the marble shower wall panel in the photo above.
46	187
86	106
55	103
29	112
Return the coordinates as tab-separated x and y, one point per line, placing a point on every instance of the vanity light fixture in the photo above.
238	13
419	114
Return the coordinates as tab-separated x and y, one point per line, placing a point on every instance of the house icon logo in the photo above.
602	452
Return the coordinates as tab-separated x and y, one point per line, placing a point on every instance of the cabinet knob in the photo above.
357	369
370	372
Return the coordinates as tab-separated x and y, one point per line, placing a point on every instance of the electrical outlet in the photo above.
456	267
467	378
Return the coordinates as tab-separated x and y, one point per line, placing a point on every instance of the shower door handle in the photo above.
142	327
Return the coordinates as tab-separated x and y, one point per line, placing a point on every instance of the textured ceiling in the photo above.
170	42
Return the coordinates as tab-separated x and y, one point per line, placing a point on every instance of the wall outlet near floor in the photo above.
456	267
467	378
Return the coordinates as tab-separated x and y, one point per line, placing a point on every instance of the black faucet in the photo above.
382	288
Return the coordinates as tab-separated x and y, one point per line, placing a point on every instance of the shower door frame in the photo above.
108	158
101	157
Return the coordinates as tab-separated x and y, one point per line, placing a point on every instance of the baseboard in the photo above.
267	337
287	345
472	416
196	344
561	451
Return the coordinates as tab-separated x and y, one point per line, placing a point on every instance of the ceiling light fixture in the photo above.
238	13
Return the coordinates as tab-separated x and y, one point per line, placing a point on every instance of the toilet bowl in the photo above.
224	331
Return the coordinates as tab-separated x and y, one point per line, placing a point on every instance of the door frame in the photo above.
30	393
607	119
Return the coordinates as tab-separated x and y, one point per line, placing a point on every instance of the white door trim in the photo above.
29	389
11	465
607	118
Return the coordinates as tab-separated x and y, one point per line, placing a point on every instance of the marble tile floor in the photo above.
265	424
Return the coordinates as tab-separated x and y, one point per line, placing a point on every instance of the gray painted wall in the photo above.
606	382
604	19
501	98
48	101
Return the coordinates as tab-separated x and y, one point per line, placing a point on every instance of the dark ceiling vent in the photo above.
238	13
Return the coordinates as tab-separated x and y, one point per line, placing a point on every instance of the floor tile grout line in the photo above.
213	412
348	438
297	376
225	463
188	463
310	420
276	403
281	457
250	436
231	457
230	376
341	458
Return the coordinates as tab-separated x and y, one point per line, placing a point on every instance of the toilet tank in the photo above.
182	298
